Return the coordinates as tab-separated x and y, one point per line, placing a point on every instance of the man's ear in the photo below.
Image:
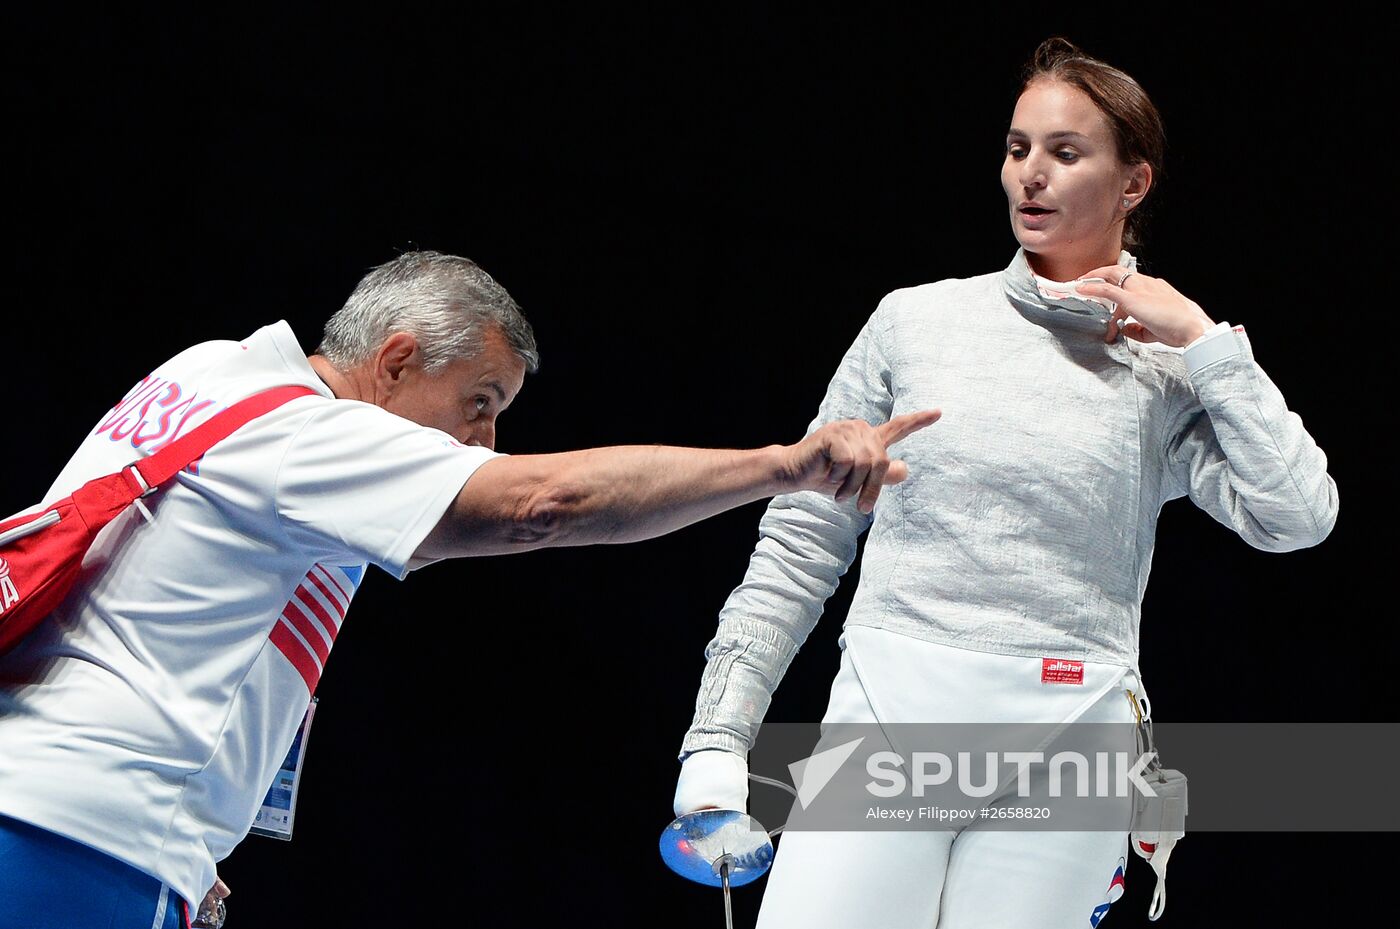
398	353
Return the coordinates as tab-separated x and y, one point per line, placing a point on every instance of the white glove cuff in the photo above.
712	777
1214	344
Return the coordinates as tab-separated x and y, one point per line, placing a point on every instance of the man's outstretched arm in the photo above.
628	493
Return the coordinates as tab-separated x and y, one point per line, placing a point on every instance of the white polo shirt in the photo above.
148	715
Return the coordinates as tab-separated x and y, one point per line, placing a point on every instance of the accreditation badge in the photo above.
278	811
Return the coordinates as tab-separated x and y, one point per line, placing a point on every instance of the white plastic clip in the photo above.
146	491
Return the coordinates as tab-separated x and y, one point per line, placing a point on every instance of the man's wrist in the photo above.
776	461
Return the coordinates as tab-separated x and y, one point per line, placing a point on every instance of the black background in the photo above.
697	212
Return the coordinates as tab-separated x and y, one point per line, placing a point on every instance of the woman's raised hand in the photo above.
1160	312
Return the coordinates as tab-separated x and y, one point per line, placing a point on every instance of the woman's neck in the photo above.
1070	267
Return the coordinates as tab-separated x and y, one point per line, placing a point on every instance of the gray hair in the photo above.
446	302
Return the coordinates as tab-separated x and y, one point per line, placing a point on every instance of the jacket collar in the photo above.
1041	304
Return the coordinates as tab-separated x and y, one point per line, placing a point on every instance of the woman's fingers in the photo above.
1140	333
1103	289
1112	273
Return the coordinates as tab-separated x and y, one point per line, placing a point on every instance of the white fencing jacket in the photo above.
1027	524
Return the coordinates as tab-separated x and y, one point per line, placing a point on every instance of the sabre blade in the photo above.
728	908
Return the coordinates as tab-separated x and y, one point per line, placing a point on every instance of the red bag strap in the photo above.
175	457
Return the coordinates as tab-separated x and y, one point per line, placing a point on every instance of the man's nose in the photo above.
483	433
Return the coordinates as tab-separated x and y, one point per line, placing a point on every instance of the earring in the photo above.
1127	203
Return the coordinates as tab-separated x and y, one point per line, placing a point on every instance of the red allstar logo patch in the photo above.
1061	671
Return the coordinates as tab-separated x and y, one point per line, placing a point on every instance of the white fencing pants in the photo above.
976	878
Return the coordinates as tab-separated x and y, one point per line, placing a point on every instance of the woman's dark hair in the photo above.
1136	124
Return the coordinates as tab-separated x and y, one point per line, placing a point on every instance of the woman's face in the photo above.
1064	183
